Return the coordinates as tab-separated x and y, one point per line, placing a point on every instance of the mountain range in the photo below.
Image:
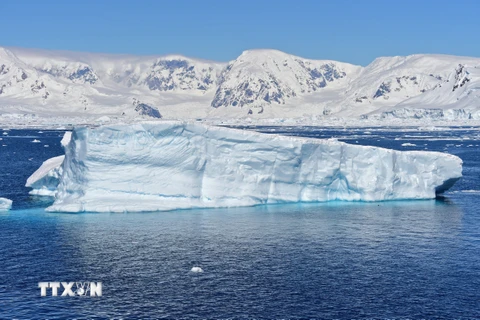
263	84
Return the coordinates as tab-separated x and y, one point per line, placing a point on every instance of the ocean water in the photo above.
405	259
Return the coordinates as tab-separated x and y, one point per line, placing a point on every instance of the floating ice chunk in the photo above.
408	144
470	191
36	141
5	204
5	133
45	180
175	165
196	269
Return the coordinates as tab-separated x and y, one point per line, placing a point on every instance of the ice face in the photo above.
45	180
66	138
5	204
175	165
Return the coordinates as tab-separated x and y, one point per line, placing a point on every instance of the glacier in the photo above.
5	204
155	166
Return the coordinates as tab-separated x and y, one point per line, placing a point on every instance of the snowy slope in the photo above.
259	84
83	83
457	97
176	165
260	77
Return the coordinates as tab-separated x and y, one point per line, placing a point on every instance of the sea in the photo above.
334	260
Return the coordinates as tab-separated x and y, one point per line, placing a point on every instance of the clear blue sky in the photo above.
351	31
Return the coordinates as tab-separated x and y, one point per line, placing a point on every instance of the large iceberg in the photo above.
176	165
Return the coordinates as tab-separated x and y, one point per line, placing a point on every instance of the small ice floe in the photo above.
470	191
196	269
5	133
46	145
36	141
5	204
465	191
40	131
408	144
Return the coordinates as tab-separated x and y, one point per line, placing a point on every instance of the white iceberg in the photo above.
196	270
175	165
5	204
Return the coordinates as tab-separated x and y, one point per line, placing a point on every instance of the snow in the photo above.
178	165
5	204
103	119
196	269
48	89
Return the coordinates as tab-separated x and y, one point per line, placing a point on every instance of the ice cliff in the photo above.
175	165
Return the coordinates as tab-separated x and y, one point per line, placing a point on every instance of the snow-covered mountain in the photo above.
456	97
269	76
263	84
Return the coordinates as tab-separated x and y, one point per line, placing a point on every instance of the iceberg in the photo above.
5	204
168	165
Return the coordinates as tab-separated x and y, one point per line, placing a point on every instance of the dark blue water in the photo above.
408	259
